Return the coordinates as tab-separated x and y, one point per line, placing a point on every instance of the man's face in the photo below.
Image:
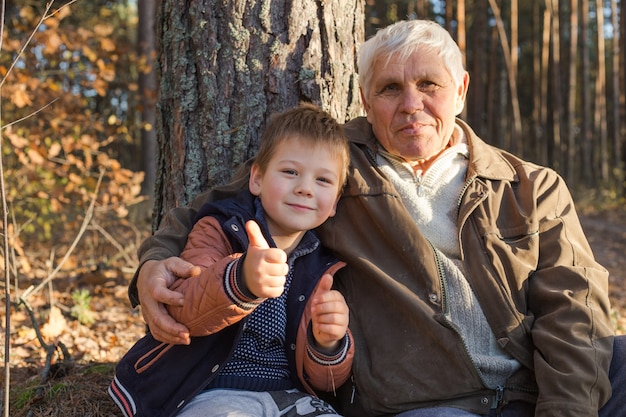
412	105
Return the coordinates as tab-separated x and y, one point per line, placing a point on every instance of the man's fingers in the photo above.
152	286
166	329
166	296
255	236
181	268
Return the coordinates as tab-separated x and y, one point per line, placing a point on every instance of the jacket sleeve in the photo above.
207	306
568	295
171	236
316	370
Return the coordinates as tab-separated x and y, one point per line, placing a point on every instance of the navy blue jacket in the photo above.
157	379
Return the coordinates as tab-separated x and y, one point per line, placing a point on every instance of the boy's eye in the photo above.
325	180
290	171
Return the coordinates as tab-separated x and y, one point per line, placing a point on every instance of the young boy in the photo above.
267	329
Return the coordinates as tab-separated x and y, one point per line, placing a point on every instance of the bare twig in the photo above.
23	48
7	271
45	15
7	252
120	248
83	227
49	348
29	115
59	9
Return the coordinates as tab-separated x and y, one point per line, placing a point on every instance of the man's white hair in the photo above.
401	40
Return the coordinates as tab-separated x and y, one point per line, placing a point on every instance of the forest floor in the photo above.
77	386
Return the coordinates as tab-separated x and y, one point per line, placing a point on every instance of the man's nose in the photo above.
412	100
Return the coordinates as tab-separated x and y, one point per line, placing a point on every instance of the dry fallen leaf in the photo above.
55	326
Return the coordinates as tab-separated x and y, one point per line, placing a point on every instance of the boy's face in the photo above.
299	189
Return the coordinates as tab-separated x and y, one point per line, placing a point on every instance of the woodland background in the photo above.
86	144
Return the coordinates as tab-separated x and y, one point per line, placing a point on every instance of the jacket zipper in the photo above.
444	300
499	391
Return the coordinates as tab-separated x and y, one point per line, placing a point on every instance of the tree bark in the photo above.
586	100
510	59
615	103
600	101
571	95
226	66
461	36
147	83
543	99
555	155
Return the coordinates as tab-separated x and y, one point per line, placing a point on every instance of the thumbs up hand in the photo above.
264	268
330	314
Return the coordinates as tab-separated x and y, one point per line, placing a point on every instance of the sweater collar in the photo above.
484	161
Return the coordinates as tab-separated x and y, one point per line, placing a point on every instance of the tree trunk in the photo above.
545	65
571	95
586	100
147	83
225	66
556	155
461	36
537	97
600	101
615	103
619	54
513	140
477	65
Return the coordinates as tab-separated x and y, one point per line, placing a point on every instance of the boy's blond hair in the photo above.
307	123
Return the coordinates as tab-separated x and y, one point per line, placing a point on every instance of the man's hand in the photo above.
329	314
152	287
264	268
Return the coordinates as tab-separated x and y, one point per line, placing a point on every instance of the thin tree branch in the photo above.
7	270
25	45
29	115
88	216
120	248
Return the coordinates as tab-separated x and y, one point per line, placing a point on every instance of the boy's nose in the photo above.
303	188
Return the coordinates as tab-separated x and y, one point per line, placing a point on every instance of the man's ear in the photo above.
461	94
256	179
366	105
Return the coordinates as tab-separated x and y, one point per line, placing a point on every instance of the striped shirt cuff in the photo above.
327	358
235	289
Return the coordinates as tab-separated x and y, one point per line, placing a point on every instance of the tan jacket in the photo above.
526	258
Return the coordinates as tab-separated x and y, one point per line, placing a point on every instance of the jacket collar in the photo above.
486	161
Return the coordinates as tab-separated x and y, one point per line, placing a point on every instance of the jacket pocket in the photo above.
152	356
515	249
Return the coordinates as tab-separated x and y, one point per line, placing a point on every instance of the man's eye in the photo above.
390	88
427	86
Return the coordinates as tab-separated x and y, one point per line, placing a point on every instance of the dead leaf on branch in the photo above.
55	325
21	98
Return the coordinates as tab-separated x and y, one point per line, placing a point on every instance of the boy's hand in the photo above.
330	314
264	268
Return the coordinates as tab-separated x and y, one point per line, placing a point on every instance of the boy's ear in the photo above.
256	178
